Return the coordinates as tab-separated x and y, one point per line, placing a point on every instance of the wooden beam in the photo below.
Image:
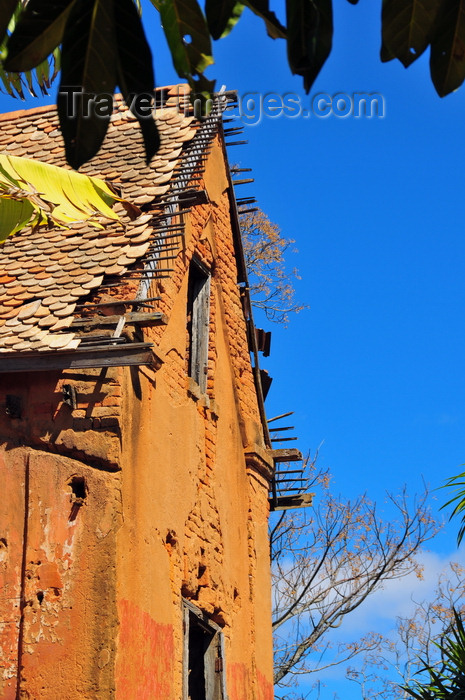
290	455
155	318
302	500
122	355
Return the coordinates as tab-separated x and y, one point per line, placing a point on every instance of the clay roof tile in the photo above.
45	273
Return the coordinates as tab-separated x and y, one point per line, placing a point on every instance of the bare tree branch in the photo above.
326	562
417	645
271	284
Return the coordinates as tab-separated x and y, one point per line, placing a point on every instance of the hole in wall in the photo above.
78	497
69	395
3	549
171	540
78	487
40	596
13	406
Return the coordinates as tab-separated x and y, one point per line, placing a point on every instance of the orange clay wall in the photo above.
147	492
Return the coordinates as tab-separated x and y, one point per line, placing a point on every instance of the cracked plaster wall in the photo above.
168	509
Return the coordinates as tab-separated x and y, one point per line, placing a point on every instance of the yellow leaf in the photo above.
51	194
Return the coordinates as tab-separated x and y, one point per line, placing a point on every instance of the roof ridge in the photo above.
40	109
15	114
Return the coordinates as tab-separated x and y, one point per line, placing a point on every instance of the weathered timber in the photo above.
301	500
103	356
283	415
154	318
287	427
287	455
124	302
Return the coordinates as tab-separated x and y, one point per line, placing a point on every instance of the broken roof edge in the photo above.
245	290
38	271
191	163
17	113
183	88
121	355
40	109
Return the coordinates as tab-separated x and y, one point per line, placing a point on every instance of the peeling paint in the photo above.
167	507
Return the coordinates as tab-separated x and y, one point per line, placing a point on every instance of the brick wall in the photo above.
172	509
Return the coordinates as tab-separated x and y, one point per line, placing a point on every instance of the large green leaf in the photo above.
309	37
7	8
273	26
37	193
407	28
38	32
14	83
447	60
135	72
88	78
187	34
222	16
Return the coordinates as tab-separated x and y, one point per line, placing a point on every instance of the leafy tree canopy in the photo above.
103	44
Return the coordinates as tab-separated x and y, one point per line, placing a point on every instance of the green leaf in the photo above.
14	215
201	93
42	73
88	78
222	16
38	32
458	484
39	77
4	78
135	72
407	28
13	84
448	680
56	62
273	26
309	37
447	59
7	9
187	34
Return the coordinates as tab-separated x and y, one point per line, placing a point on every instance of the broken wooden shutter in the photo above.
199	322
204	678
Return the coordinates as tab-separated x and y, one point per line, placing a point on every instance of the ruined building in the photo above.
135	457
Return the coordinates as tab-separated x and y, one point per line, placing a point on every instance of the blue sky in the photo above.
375	368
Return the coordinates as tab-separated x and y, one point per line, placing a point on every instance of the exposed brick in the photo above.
109	422
82	423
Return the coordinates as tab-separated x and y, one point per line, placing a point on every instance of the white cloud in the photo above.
398	597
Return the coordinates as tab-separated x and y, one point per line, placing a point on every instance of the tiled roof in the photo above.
45	273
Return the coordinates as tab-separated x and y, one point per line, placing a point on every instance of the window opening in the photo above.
203	657
198	322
